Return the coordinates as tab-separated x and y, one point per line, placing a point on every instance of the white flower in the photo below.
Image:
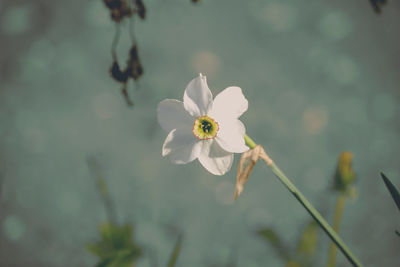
203	128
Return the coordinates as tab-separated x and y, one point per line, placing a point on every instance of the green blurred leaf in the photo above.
309	239
116	247
175	253
272	238
308	243
292	264
104	263
392	189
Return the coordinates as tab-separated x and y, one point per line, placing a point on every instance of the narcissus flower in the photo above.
202	128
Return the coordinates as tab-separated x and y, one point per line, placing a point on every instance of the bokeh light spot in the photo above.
206	62
335	26
13	228
17	19
314	120
343	69
279	16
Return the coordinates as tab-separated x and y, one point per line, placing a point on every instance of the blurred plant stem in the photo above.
337	217
342	183
102	187
116	246
175	252
306	204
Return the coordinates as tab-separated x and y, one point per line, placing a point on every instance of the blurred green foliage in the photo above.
343	179
392	189
305	249
393	192
308	243
312	89
272	237
175	252
116	247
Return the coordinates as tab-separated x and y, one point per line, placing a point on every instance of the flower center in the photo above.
205	128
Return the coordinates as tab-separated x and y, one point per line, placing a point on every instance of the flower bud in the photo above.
344	175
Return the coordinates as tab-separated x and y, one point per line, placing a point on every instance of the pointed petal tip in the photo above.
197	97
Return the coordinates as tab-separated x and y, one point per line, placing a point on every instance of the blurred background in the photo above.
321	77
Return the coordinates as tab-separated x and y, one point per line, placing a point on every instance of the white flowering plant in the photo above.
209	130
204	128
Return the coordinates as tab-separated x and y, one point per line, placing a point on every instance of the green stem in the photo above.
249	142
337	217
311	210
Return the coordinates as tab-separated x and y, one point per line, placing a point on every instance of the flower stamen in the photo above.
205	128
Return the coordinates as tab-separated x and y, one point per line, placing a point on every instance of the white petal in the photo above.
229	104
182	147
231	136
198	97
172	115
215	159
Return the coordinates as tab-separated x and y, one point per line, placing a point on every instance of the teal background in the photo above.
321	77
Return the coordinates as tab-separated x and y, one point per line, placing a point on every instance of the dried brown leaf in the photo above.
246	164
